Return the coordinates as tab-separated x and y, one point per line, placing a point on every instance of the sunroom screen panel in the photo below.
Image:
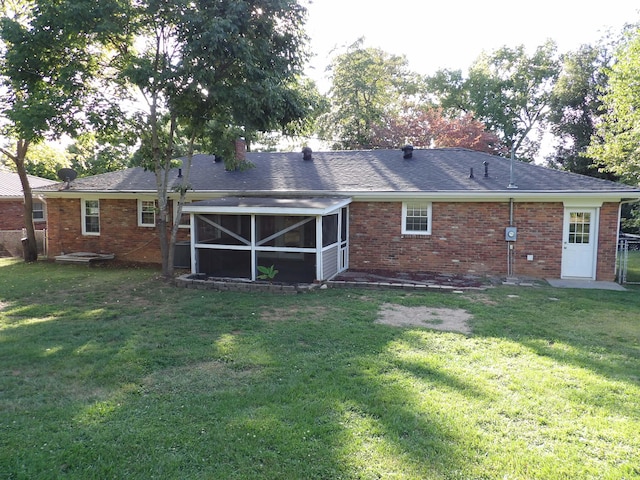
285	231
223	229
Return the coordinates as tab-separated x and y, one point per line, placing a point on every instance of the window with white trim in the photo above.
38	211
185	218
91	217
146	213
416	218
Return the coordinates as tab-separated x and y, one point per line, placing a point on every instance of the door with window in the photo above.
579	243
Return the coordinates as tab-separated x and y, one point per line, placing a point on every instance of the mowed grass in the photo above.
633	266
108	373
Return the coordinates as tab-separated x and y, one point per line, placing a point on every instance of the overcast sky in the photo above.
451	34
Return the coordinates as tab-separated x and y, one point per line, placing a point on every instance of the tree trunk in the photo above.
31	246
184	186
164	243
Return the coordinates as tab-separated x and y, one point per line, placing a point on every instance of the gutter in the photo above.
359	195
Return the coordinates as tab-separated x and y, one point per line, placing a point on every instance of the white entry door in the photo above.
579	243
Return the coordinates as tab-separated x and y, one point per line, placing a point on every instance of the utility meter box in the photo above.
511	234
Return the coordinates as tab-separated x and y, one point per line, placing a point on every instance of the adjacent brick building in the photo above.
451	211
12	211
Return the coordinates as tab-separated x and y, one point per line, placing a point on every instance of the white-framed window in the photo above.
146	213
38	211
185	218
91	217
416	218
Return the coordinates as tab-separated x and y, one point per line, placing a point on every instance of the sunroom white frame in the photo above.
330	260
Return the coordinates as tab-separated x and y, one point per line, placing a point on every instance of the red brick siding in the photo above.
607	242
12	216
119	231
540	227
468	238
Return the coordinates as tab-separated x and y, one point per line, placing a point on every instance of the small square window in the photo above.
416	218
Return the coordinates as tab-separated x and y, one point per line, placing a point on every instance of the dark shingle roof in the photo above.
353	172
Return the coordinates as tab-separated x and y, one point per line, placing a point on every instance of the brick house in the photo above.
12	211
314	215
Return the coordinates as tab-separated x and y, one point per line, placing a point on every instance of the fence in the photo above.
628	266
11	242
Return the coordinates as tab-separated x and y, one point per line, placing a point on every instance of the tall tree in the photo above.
368	85
50	58
615	144
576	106
231	62
508	90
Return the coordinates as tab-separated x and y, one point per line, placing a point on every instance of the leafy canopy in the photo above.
508	90
52	52
206	69
575	108
617	141
368	85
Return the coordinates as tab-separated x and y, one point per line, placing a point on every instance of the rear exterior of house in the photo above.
372	210
468	238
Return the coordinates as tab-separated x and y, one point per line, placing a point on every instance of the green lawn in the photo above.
633	266
107	373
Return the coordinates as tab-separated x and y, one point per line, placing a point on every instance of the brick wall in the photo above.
119	231
468	238
12	216
607	242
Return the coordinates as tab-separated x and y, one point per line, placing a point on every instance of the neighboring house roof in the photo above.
10	186
437	172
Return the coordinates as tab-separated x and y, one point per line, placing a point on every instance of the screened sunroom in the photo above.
304	239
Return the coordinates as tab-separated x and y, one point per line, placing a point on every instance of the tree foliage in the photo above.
368	86
431	128
616	144
211	67
90	155
44	160
508	90
51	54
575	108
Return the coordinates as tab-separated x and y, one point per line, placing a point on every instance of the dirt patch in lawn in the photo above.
281	314
483	299
445	319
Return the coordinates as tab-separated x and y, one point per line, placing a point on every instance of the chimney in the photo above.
241	149
407	151
307	153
